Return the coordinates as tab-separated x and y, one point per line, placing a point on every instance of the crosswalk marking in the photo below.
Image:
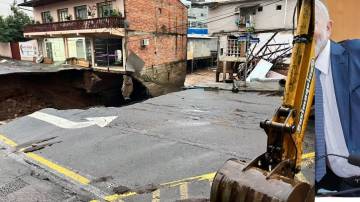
184	192
156	196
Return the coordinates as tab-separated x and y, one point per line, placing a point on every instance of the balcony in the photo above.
95	23
35	3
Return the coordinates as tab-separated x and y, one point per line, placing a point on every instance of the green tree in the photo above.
11	27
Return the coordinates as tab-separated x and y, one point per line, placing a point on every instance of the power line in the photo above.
186	24
274	2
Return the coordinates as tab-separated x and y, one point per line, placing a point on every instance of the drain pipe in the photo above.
285	12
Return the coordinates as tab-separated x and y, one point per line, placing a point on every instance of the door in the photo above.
55	49
49	51
15	51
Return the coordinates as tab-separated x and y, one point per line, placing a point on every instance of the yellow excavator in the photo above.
271	176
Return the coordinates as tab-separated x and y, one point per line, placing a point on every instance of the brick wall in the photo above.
164	23
162	48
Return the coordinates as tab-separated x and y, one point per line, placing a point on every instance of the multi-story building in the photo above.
230	19
197	18
106	32
201	47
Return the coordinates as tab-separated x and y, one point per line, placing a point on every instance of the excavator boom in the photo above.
271	176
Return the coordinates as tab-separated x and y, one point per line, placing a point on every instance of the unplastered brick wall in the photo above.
163	23
162	48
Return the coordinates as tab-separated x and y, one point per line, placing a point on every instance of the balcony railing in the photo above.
95	23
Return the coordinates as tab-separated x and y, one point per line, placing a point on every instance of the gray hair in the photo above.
320	6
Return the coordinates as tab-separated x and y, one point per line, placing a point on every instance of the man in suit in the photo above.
337	107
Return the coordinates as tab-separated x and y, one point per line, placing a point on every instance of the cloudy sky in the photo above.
5	6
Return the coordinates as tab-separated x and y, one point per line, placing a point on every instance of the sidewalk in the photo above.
19	183
205	78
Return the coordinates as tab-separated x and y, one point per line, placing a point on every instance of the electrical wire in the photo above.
326	155
206	22
233	14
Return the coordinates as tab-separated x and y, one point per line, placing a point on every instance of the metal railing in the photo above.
94	23
234	48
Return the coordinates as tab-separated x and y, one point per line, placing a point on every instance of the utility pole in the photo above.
246	54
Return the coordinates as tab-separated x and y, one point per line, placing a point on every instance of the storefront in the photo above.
102	51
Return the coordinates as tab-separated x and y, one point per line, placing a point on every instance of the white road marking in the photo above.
67	124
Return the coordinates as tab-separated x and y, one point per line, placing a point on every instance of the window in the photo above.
278	7
46	17
260	9
81	12
63	15
104	9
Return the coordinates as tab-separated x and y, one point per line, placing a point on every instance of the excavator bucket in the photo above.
236	184
271	176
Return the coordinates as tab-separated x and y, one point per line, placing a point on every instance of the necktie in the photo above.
320	150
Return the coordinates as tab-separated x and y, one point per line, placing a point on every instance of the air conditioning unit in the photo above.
145	42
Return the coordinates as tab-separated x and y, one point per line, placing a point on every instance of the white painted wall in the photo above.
268	18
28	50
5	50
222	18
201	47
117	4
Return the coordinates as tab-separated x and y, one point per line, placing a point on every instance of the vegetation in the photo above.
11	26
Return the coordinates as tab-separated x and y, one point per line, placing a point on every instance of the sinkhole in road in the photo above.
24	93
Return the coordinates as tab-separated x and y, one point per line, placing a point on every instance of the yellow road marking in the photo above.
58	168
308	155
7	141
209	177
184	192
68	173
115	197
156	196
183	184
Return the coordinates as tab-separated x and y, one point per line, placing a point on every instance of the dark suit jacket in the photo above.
345	63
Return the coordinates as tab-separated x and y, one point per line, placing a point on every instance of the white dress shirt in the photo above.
334	136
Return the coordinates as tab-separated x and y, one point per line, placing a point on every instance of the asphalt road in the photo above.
163	149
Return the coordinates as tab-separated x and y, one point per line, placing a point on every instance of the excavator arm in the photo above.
271	176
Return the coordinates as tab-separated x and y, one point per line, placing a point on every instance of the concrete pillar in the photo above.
66	47
92	52
41	46
224	70
124	52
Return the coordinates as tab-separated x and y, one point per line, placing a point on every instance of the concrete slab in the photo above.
9	66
